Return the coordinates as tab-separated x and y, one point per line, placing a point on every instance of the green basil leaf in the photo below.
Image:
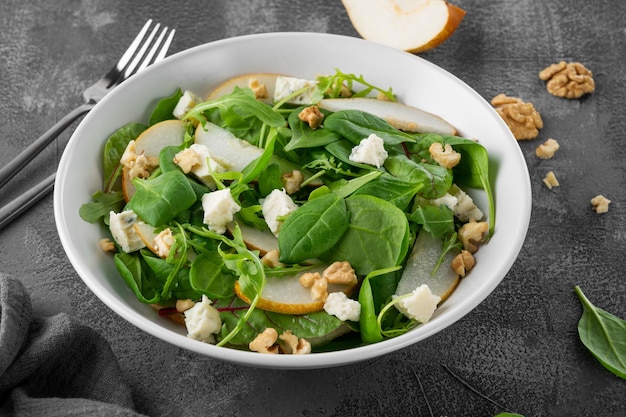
313	228
604	335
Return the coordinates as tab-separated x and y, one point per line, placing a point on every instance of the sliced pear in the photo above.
420	265
410	25
150	142
255	239
227	87
286	295
146	233
400	116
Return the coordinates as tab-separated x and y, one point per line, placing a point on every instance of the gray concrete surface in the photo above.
520	348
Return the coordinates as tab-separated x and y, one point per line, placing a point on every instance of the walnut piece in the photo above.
317	284
265	342
340	273
547	149
292	181
260	91
107	245
568	79
463	263
444	156
521	117
184	305
600	204
291	344
271	259
550	180
187	159
472	233
312	116
139	165
163	242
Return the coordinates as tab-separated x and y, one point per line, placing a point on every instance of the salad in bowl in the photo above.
301	216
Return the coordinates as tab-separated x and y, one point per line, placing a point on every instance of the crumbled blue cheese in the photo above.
275	207
286	86
203	321
370	150
186	102
461	205
219	208
419	305
339	305
123	232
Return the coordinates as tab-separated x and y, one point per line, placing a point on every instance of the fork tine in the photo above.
128	54
155	48
130	69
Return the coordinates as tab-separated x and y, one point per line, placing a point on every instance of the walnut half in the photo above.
521	117
568	80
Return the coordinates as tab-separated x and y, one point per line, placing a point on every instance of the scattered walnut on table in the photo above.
521	117
444	155
600	204
550	180
547	149
568	79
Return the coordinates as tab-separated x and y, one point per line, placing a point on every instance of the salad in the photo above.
285	215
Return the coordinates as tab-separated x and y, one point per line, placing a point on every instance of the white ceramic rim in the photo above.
512	174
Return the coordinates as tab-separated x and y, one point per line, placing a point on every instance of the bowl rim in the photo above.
317	360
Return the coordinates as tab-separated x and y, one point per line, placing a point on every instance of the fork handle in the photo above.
14	166
15	208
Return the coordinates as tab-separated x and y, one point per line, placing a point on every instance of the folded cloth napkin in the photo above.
54	366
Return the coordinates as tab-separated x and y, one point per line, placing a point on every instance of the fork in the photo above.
135	58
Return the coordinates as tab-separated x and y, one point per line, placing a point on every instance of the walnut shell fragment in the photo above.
568	79
521	117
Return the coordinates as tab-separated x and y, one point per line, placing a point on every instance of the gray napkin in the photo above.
54	366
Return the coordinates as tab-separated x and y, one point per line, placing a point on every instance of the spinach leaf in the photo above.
114	149
433	180
208	275
317	328
302	136
341	150
102	205
138	278
356	125
438	221
270	179
377	236
158	200
604	335
164	271
313	228
395	190
165	107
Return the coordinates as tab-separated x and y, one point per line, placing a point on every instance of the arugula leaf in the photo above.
604	335
332	86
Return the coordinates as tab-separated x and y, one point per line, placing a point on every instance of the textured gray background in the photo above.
520	347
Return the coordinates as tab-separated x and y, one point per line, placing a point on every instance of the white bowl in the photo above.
305	55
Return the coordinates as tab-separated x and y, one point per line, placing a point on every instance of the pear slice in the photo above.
420	265
286	295
150	142
227	87
400	116
410	25
255	239
146	233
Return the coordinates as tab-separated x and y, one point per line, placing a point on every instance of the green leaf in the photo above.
313	228
209	275
356	125
137	277
165	107
395	190
302	136
434	180
377	236
114	149
438	221
102	205
604	335
159	200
